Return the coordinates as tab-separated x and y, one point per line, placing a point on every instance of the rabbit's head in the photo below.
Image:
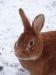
30	45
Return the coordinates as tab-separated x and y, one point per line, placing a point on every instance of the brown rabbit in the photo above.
36	50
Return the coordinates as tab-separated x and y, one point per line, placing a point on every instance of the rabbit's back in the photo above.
49	39
50	50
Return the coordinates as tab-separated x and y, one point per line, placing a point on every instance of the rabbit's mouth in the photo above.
30	58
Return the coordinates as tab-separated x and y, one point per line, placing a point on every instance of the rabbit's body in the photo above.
49	39
36	50
46	64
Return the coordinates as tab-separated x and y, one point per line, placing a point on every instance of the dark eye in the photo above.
32	42
30	45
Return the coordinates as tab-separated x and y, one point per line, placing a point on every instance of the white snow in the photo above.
11	28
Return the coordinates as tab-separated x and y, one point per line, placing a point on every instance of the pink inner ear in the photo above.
38	23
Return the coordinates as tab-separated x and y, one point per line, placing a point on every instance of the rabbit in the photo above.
36	50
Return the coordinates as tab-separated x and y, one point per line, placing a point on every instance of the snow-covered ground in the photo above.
11	28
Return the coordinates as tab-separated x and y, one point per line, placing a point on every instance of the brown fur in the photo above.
45	45
46	65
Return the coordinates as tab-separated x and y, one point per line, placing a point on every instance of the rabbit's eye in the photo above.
32	42
30	45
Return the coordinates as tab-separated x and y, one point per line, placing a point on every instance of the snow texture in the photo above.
11	28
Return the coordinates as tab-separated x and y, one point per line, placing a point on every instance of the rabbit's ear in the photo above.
24	19
38	23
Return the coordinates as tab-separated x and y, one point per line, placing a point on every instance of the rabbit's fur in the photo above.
36	50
